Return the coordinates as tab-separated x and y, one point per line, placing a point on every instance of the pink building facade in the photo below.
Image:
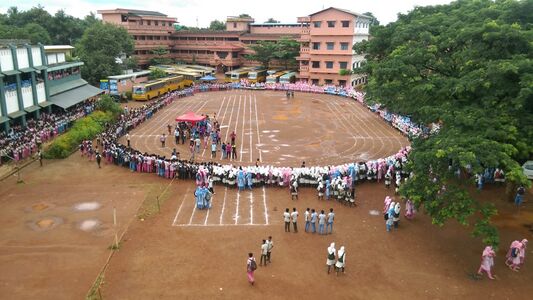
326	39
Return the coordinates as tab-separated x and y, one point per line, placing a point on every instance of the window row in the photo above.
332	24
329	64
331	46
155	23
344	24
201	38
150	38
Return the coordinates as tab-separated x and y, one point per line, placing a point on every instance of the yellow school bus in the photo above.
237	74
257	76
274	78
155	88
189	77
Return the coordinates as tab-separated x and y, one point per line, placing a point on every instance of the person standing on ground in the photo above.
176	136
520	191
233	135
162	139
522	252
287	219
233	151
330	261
169	129
307	218
264	252
513	256
331	216
294	217
128	139
341	260
321	222
270	246
213	150
98	159
314	217
40	157
487	261
251	266
396	215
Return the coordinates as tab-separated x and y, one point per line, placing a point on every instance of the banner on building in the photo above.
104	85
113	87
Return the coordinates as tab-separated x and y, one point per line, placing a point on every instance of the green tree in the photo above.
156	73
468	67
37	34
263	52
217	25
245	16
160	56
286	51
272	20
98	48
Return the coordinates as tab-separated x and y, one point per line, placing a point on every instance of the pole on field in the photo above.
115	226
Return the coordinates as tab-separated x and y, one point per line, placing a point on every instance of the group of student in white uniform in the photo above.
311	217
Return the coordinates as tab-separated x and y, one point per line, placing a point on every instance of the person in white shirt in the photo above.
270	246
287	219
341	260
307	218
264	252
294	217
314	216
331	216
321	222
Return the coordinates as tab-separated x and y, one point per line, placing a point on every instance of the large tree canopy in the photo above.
285	51
99	47
468	67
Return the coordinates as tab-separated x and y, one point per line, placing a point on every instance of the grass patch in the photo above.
94	292
156	196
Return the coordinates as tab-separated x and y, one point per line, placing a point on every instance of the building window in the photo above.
141	22
234	54
314	81
343	64
148	23
328	81
317	24
316	46
235	25
162	23
331	24
342	82
330	45
345	24
344	46
156	23
329	65
315	64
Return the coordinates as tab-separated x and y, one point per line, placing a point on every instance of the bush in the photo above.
107	104
83	129
129	95
344	72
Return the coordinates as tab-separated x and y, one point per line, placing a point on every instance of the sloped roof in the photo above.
137	12
343	10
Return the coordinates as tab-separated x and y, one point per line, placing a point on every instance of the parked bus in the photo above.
199	69
155	88
237	74
257	76
274	78
189	77
288	78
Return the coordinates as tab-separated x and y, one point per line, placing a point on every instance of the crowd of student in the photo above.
22	142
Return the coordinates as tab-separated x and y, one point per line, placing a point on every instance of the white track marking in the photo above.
242	130
230	117
223	205
251	197
265	206
218	225
257	126
207	214
236	217
236	125
181	205
251	129
193	211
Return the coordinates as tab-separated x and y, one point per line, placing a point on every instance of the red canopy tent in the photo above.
190	117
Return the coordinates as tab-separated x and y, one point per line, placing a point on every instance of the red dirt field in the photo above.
318	129
183	253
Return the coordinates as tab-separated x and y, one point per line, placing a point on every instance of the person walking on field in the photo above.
128	139
162	139
270	247
307	218
341	260
487	261
330	261
314	217
40	157
287	220
251	266
331	216
98	159
264	252
321	222
294	217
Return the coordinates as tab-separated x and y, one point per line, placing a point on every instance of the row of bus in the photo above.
182	76
257	74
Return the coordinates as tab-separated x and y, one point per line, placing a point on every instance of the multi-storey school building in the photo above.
34	78
326	39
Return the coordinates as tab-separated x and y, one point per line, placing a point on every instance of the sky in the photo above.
202	12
